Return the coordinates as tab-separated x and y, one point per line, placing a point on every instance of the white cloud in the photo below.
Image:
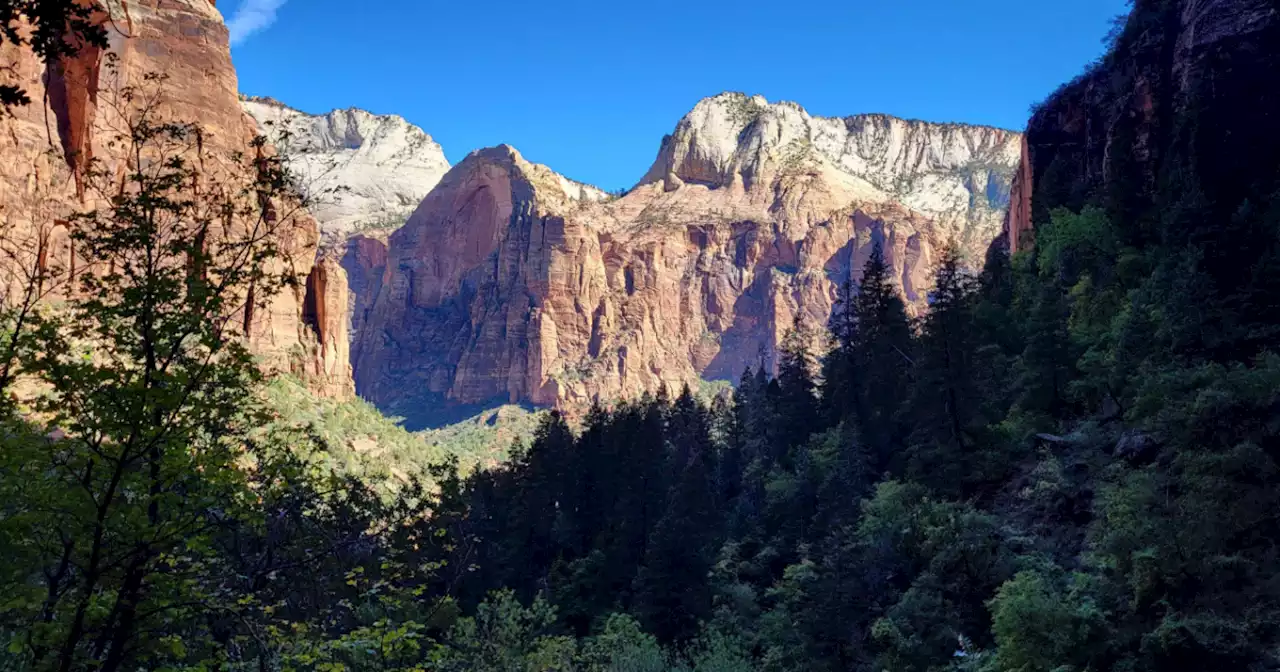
252	16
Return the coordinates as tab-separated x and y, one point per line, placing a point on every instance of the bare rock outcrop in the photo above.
48	144
511	283
360	170
364	258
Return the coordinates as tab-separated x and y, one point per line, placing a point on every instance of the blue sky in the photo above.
589	88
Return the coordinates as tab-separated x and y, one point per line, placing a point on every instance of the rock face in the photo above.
41	178
361	170
456	313
325	310
1132	113
1018	233
365	260
511	283
956	175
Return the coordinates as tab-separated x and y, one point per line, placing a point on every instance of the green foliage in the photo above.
155	517
505	636
354	438
1068	464
623	647
486	438
145	396
1075	244
1040	626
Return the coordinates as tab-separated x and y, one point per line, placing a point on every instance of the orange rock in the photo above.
1018	230
508	286
41	179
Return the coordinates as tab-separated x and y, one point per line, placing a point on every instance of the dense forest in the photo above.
1068	464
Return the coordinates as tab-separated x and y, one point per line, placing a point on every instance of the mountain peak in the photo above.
498	153
953	173
733	135
545	182
361	169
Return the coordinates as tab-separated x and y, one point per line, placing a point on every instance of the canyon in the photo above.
510	283
513	284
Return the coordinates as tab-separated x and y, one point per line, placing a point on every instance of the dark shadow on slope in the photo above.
426	412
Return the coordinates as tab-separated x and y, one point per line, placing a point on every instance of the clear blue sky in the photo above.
589	88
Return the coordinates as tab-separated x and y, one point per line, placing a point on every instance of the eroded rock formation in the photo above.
362	171
46	146
510	283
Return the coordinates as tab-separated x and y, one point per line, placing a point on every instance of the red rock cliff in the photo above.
47	144
513	284
1185	77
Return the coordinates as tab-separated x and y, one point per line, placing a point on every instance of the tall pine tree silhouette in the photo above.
881	358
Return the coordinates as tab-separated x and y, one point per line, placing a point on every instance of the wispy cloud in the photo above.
252	16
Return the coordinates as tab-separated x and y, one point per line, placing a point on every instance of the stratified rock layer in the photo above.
47	146
513	284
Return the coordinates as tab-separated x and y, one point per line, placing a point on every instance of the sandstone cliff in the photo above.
361	170
48	144
510	283
1184	78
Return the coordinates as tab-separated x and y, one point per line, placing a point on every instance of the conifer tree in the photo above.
881	358
839	366
1045	368
672	594
797	405
945	405
541	481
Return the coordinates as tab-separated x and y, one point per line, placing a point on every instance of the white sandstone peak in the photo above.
956	174
361	170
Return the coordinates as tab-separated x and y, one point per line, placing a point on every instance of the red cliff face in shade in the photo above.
1124	112
365	260
1018	231
46	146
511	283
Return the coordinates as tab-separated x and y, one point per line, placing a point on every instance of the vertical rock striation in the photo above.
511	283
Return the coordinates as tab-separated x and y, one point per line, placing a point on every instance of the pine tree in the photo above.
839	366
542	481
945	405
797	405
881	359
672	594
1044	367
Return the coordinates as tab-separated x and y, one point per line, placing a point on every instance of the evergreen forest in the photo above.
1069	463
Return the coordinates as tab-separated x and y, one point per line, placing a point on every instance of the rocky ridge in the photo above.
360	170
506	286
956	174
